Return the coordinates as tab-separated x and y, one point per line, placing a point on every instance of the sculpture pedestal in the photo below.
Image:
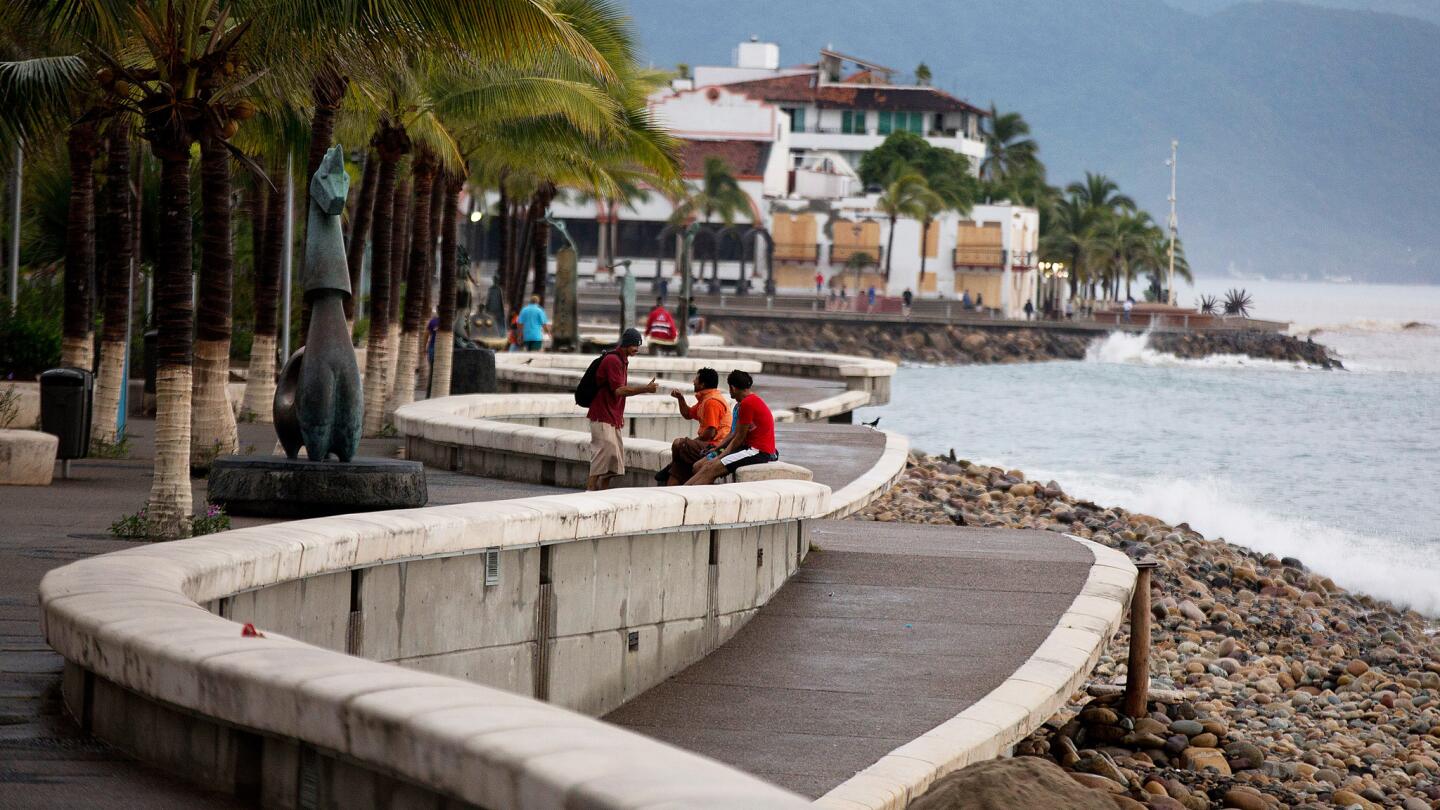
285	488
472	372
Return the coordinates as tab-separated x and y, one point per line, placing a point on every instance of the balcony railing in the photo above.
840	254
798	253
979	257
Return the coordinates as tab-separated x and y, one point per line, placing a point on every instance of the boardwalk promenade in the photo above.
457	652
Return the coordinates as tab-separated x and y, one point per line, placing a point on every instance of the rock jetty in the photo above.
961	345
1271	685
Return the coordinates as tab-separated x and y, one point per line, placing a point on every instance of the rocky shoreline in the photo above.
1271	685
959	345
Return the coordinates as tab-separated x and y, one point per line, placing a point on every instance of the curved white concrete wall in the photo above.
151	669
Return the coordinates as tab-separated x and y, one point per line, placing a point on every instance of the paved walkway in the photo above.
885	632
45	759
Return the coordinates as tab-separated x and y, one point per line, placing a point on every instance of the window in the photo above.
884	126
900	122
797	118
916	123
852	122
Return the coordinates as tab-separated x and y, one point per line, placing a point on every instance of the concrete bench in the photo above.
27	457
773	471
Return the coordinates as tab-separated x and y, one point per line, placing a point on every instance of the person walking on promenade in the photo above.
712	412
534	325
664	288
965	300
870	299
844	297
752	437
819	284
607	411
1127	306
1029	309
908	299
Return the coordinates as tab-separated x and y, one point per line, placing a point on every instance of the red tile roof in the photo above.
852	96
746	159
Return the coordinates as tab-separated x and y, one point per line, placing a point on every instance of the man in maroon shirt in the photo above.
752	437
607	411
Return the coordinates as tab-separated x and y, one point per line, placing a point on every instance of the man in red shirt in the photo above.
607	411
660	324
752	437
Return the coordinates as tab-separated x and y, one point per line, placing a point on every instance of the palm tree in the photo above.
1100	193
1007	147
717	194
260	378
118	232
360	233
422	252
907	195
931	206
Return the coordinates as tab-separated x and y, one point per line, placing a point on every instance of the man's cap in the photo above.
631	337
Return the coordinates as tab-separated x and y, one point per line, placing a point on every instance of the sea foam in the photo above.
1133	348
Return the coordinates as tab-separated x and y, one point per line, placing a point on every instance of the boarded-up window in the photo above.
932	239
979	245
794	236
849	240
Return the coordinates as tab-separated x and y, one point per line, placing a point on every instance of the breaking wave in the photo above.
1134	349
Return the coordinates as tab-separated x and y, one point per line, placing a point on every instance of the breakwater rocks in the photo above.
1263	345
960	345
1272	686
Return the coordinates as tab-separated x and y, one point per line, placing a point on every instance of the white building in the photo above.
794	137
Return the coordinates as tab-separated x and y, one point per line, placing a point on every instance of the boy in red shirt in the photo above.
607	411
752	437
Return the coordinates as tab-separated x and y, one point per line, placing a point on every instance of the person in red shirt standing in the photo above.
819	283
660	324
752	437
607	411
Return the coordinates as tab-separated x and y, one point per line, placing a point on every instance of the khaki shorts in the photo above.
607	450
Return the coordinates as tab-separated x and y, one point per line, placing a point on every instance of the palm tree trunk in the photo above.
260	380
359	233
327	90
77	344
170	501
539	247
444	336
212	428
502	237
118	230
390	145
924	249
399	252
422	175
437	201
889	252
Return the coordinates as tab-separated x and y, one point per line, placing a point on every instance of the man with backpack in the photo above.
603	390
752	436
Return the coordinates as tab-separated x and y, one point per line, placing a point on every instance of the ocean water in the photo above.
1339	469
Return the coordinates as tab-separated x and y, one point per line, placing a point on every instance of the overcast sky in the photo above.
1424	9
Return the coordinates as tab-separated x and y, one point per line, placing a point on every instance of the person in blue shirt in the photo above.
534	325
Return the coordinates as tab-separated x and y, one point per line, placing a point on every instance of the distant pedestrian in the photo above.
907	298
607	411
752	437
660	325
1069	309
664	288
965	302
819	284
870	299
1029	310
844	296
979	300
431	329
534	325
1127	306
697	323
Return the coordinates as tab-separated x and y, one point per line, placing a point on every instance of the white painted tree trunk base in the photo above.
377	361
444	362
171	502
105	413
213	429
403	391
78	352
260	380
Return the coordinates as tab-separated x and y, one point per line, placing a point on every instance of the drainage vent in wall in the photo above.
632	640
759	557
492	567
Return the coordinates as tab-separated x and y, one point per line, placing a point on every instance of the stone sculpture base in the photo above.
285	488
473	372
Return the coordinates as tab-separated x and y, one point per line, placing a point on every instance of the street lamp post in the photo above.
1174	224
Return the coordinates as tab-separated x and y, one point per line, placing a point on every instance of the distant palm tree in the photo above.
1238	302
907	195
931	206
1209	305
1007	145
717	194
1100	194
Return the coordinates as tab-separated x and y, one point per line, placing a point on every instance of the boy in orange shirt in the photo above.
712	411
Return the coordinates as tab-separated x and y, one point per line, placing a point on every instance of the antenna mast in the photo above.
1174	224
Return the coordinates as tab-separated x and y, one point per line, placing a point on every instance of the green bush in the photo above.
30	336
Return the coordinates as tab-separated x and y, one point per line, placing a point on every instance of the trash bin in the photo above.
472	371
65	399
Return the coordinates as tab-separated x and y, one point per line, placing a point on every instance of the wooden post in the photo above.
1137	679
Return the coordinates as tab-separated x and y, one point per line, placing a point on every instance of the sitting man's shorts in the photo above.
607	450
745	458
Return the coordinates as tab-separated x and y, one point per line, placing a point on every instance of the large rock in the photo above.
27	457
1007	784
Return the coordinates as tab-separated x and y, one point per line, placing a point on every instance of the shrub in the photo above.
30	336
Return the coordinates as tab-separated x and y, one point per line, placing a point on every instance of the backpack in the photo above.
589	386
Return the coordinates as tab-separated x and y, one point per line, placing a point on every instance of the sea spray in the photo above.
1134	348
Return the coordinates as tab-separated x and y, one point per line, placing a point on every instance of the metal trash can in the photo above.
66	395
472	372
